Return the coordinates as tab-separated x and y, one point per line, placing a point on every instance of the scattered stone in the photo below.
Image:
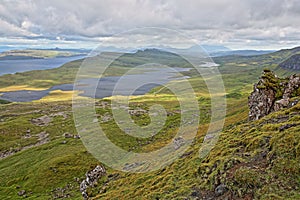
76	136
220	189
102	104
195	193
106	118
64	142
178	142
63	114
22	192
76	179
42	136
42	139
68	135
27	135
293	103
62	192
42	121
53	169
137	112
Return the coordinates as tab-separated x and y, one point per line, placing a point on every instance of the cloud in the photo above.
214	21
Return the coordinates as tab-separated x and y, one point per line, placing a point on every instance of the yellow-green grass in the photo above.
58	95
20	87
43	168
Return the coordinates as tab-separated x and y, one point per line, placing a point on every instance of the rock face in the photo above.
292	86
291	63
272	94
91	178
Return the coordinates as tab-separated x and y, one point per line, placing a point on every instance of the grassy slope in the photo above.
33	168
43	168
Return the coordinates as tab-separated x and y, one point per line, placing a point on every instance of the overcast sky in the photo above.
238	24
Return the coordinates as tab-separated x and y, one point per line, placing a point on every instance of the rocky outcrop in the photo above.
272	94
292	86
42	138
42	121
91	179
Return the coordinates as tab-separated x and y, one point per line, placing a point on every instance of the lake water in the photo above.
133	84
22	65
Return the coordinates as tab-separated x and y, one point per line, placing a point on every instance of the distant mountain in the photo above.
145	56
213	48
193	49
241	52
202	49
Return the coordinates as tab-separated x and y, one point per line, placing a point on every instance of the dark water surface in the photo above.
11	66
133	84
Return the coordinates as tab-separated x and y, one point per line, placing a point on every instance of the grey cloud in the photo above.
211	21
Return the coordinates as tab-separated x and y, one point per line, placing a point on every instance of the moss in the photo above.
248	178
261	87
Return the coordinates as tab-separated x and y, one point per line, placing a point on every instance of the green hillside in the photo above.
252	160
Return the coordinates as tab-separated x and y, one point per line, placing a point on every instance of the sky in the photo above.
237	24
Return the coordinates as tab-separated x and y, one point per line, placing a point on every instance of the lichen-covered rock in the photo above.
292	86
262	99
272	94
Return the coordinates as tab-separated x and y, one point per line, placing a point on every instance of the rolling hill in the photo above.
42	156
